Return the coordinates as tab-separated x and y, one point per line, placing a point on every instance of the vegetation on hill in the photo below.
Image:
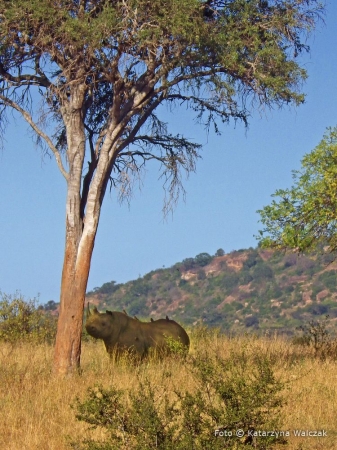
252	289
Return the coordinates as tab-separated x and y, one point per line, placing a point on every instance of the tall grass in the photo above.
36	410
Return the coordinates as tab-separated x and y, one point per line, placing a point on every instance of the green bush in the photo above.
175	347
203	259
317	287
229	281
329	279
290	260
252	321
273	291
22	320
188	264
288	289
262	271
236	393
317	309
246	277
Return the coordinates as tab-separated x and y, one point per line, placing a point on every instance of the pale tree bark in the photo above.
81	228
79	245
80	240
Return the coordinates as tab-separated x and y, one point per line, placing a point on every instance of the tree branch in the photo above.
27	79
88	176
37	130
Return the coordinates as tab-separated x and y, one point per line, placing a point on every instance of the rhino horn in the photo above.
152	320
88	310
95	310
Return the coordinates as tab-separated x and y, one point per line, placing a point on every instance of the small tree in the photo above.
203	259
98	71
305	215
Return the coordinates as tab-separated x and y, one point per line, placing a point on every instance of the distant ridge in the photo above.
251	289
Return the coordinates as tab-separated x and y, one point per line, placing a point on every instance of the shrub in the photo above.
201	275
262	271
22	320
315	334
288	289
304	265
188	264
274	291
252	321
203	259
246	277
317	309
328	258
175	347
183	282
297	314
252	259
329	279
229	281
213	318
290	260
236	393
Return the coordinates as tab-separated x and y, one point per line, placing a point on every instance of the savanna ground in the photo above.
36	411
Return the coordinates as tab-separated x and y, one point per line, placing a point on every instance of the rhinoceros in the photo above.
121	333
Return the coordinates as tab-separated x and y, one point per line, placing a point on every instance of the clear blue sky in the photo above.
237	175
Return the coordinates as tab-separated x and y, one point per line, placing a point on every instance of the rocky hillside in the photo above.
244	290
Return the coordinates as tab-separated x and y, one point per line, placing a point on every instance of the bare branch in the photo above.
27	79
46	138
92	164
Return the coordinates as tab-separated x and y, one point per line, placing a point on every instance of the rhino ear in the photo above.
109	312
95	310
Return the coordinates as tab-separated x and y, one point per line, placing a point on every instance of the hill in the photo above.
243	290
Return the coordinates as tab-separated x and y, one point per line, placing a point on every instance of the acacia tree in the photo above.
100	69
305	215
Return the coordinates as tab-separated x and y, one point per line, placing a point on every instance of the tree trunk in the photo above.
73	289
80	239
81	227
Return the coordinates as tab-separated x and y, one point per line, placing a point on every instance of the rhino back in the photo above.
156	333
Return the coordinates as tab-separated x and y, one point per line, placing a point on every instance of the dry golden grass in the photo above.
36	412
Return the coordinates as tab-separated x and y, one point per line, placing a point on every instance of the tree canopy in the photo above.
123	58
305	215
